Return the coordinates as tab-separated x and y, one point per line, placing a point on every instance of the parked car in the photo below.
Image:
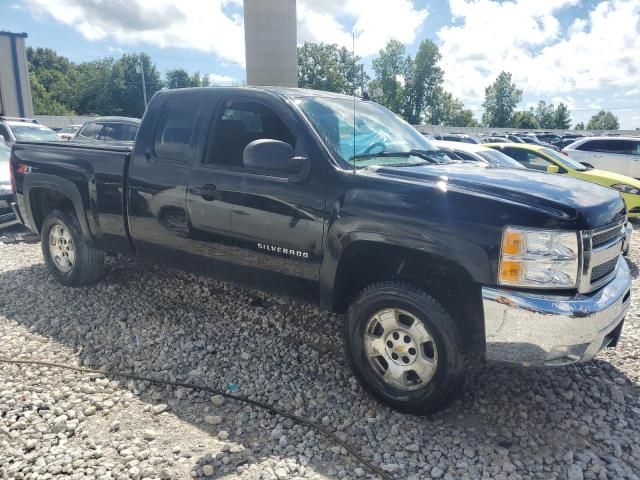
533	140
548	137
7	217
616	154
489	139
455	137
109	129
68	132
544	159
477	153
437	264
13	129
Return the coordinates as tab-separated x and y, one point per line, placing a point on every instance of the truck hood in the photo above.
591	205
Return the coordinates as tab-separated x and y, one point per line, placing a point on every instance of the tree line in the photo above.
411	86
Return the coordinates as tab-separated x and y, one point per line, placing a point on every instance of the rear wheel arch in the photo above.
45	193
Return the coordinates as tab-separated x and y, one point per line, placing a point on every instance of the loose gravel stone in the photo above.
578	423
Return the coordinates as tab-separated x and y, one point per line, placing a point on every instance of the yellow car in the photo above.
541	158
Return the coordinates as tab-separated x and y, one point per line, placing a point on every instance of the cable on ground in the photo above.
239	398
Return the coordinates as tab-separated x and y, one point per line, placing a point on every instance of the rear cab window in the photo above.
174	129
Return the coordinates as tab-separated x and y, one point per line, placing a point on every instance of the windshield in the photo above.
499	159
31	133
4	152
379	138
564	161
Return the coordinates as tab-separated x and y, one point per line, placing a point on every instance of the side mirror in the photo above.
2	139
553	169
277	157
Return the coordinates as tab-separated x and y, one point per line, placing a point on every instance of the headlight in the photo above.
538	258
621	187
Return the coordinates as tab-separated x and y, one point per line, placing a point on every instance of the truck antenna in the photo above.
353	58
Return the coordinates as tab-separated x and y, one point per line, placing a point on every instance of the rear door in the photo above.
266	228
607	154
169	141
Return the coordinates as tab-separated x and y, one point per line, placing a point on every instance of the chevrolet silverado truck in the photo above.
438	264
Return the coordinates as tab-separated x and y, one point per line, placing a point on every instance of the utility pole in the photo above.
140	70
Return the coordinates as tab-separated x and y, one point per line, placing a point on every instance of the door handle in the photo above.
597	156
207	192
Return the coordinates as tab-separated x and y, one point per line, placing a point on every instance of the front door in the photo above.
259	227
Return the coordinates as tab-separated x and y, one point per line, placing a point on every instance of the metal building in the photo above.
270	34
15	88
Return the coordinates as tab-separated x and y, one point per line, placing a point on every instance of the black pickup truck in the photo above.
438	264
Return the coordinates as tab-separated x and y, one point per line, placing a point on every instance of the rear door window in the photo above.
607	146
174	129
91	130
112	132
130	133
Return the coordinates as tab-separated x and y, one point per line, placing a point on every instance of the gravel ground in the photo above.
576	422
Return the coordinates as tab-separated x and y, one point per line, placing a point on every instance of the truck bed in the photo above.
93	176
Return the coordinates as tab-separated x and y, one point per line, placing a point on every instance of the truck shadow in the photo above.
163	323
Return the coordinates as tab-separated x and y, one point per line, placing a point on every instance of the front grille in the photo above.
601	271
601	250
603	237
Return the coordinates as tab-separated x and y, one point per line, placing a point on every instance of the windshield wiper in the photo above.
424	154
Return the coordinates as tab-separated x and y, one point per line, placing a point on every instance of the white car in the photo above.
24	130
616	154
477	153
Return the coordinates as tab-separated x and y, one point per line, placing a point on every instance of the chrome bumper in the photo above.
532	329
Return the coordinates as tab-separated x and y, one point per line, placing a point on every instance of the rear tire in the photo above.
417	340
69	257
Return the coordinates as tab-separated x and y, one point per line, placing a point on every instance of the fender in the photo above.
468	255
63	186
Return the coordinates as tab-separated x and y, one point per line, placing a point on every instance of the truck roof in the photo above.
286	92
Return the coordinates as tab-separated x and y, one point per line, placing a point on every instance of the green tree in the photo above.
393	76
603	121
500	101
43	103
51	77
579	126
545	115
126	84
562	118
449	111
525	120
423	81
180	78
326	67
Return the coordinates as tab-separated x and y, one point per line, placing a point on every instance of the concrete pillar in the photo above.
270	33
15	88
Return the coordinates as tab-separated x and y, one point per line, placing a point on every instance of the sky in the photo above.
583	53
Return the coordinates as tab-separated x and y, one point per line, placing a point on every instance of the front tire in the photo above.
68	255
405	348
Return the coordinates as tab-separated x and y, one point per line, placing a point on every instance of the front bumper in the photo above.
531	329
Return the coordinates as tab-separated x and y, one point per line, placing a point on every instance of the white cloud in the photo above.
197	24
217	79
525	37
208	26
374	22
